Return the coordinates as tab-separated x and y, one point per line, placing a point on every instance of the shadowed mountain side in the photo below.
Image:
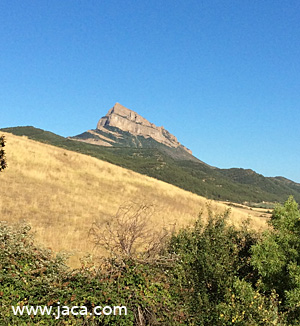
115	137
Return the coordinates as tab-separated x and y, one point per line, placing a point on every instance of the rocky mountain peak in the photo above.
118	113
127	120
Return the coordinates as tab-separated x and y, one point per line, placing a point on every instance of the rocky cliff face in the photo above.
122	127
127	120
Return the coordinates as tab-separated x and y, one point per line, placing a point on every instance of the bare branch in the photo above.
129	232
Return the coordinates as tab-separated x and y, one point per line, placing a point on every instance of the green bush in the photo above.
209	274
211	255
277	258
243	305
215	279
30	275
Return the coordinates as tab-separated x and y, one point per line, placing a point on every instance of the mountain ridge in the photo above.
122	126
236	184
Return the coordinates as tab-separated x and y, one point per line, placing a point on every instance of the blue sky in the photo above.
222	76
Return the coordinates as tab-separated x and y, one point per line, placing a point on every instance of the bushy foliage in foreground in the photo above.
218	282
277	259
31	276
209	274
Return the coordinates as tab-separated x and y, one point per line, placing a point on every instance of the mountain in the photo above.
124	138
122	127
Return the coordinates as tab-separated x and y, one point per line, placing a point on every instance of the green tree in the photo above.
277	258
212	257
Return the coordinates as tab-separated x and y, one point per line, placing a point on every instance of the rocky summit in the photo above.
122	127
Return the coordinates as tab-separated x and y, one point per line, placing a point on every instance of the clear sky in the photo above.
222	76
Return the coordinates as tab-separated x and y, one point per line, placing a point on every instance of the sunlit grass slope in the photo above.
61	193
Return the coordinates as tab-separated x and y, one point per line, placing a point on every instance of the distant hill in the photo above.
160	162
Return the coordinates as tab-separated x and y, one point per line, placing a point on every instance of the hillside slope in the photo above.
61	193
237	185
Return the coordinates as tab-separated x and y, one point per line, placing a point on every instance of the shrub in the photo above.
209	274
3	163
215	279
30	275
129	233
277	258
243	305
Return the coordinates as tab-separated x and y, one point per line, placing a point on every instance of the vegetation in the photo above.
277	259
158	161
3	163
129	233
209	274
31	276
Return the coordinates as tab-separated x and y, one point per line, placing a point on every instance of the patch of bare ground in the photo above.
255	211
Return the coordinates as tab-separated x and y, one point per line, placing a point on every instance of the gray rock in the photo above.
127	120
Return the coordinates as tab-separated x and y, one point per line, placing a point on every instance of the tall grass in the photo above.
61	193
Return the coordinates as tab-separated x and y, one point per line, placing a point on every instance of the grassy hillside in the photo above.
61	193
237	185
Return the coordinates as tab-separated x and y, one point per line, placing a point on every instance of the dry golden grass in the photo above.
61	193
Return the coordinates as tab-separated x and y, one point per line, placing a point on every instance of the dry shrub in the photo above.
129	232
